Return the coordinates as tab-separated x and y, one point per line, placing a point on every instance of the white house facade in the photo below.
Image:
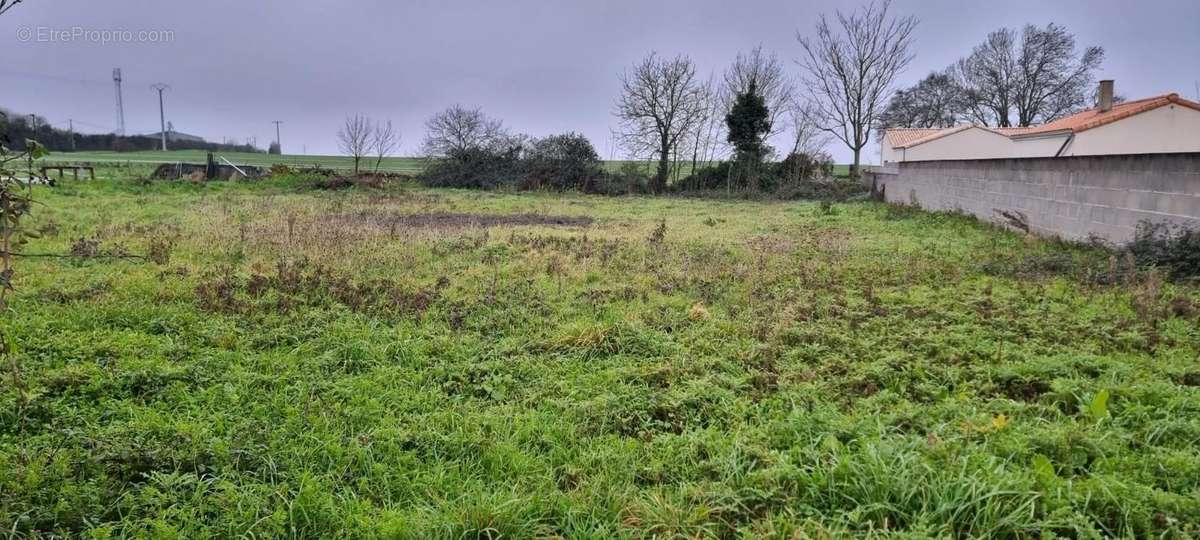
1157	125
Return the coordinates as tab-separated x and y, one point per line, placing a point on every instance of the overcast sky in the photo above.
542	66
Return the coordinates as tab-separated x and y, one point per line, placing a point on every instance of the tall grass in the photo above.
299	363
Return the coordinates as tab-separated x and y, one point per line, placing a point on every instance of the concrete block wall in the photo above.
1068	197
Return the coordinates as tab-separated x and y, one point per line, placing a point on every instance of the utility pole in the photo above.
120	103
277	143
71	122
162	118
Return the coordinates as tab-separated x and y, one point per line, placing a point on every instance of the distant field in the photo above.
391	164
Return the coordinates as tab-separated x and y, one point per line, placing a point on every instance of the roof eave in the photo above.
1041	134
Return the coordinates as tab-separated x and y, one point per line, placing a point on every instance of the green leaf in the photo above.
1098	409
35	149
1043	469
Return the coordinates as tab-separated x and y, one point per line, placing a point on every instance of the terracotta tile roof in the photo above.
901	137
1010	131
910	137
937	135
1094	118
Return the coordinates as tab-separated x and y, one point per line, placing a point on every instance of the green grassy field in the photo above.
408	165
414	363
391	164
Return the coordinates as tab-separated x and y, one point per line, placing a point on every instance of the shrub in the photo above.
799	176
628	180
566	161
1173	248
821	190
801	166
478	168
708	178
797	168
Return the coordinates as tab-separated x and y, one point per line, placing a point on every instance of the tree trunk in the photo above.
854	173
664	169
695	155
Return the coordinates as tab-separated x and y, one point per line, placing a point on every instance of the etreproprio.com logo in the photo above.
48	34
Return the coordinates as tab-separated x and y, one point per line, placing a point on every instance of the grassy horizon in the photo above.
406	165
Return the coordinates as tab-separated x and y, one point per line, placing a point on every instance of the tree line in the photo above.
848	67
1013	79
18	128
843	90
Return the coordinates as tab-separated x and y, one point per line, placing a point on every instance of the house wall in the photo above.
1167	129
1045	146
971	143
887	154
1068	197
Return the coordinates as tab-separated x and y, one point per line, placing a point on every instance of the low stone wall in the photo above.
1068	197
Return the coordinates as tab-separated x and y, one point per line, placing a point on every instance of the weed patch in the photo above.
303	284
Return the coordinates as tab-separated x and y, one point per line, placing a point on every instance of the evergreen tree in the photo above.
749	122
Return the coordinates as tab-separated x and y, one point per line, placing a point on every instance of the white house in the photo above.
960	142
1156	125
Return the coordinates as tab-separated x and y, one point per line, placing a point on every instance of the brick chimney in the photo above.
1106	95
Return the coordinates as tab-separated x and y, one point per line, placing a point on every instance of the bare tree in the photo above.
458	129
354	138
661	102
807	136
850	69
988	78
934	102
704	134
1032	78
384	141
764	71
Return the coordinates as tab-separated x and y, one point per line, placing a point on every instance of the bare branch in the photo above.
354	138
661	103
6	5
458	129
850	66
1035	77
766	73
384	142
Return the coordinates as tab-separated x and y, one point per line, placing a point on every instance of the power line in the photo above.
68	121
52	78
107	129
